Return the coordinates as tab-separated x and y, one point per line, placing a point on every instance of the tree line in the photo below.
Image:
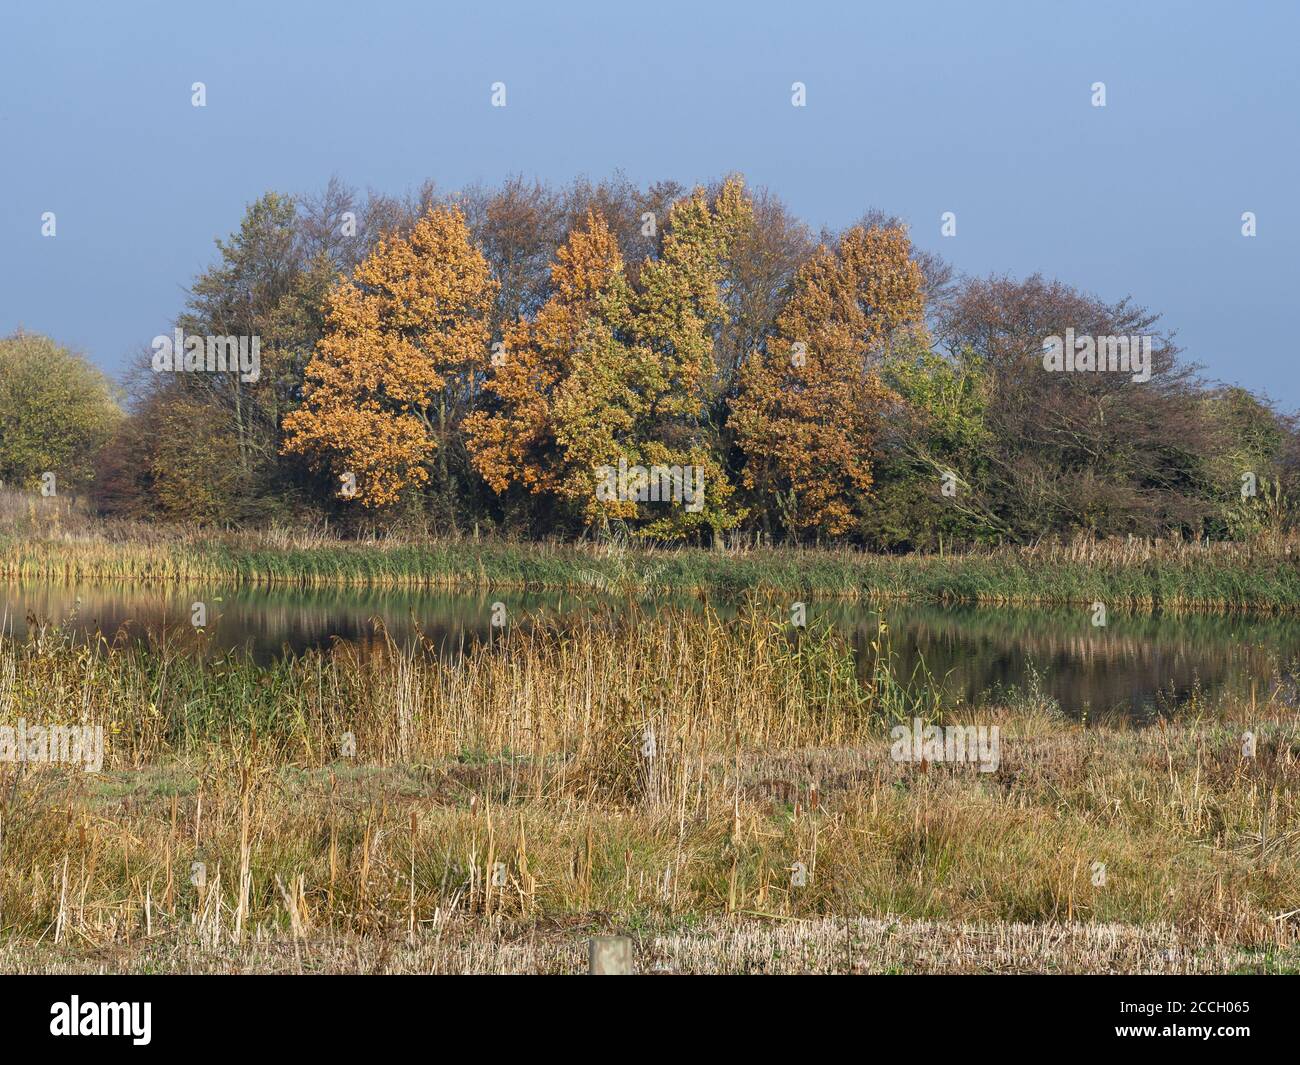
473	359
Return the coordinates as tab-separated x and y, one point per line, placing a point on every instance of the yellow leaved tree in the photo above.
679	314
567	389
610	377
407	332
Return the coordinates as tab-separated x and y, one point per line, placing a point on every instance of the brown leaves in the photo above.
810	405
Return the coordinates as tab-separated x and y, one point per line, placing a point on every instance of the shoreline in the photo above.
1147	578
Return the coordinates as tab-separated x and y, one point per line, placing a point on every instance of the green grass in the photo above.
1169	576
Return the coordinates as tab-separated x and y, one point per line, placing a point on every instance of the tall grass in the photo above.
519	784
546	687
1261	575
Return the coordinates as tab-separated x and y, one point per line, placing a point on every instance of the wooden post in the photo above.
610	956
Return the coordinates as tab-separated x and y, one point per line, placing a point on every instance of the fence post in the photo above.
610	956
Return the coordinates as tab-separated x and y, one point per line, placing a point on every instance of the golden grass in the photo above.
513	789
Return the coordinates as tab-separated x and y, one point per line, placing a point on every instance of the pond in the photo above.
1131	665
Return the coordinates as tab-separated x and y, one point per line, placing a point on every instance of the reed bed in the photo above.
545	687
1263	575
329	798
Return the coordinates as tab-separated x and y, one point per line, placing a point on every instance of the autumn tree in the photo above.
678	315
518	227
406	334
608	373
938	277
767	248
566	390
637	217
663	328
810	405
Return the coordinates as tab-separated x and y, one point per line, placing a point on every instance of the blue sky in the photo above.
915	108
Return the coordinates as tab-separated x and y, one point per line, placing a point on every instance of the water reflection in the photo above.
1133	663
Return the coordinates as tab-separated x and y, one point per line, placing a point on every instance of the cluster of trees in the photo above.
474	359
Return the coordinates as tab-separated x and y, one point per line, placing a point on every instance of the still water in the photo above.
1131	665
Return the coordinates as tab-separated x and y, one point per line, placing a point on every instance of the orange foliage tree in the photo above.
608	374
567	388
407	333
810	404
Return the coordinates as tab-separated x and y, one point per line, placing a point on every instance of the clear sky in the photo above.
983	109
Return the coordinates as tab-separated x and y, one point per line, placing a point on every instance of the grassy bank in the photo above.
494	811
1172	576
